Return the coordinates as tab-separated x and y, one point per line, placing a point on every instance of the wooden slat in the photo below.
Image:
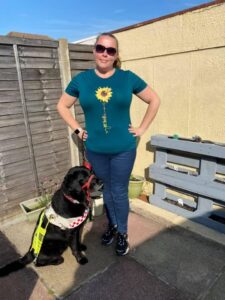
41	84
81	56
7	62
79	47
43	116
22	192
78	109
42	94
29	42
39	106
221	168
15	180
51	172
8	74
80	118
16	168
14	156
50	147
49	136
39	63
57	157
82	65
9	96
10	120
56	177
6	50
10	108
55	167
47	126
47	161
183	160
37	74
25	51
12	132
43	153
15	143
9	85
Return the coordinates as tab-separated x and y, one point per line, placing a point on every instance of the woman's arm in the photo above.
149	96
65	103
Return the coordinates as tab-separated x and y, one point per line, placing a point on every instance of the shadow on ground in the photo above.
165	262
20	285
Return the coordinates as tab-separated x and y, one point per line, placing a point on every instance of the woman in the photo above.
105	95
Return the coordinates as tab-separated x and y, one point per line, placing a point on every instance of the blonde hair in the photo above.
117	63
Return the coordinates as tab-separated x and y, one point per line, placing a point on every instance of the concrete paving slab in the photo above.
183	260
217	291
100	258
166	255
141	229
20	285
126	279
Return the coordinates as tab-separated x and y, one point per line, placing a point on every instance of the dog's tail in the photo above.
17	264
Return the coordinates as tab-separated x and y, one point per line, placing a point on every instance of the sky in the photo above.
79	19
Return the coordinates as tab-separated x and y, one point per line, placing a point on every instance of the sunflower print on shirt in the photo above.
103	94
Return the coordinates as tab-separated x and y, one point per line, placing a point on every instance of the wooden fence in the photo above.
34	141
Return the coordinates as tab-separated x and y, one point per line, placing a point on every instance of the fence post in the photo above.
65	71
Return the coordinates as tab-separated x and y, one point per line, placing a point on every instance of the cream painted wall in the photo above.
183	59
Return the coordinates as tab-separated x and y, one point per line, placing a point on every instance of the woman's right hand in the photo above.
83	135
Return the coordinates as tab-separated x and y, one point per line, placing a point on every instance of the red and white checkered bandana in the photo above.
64	223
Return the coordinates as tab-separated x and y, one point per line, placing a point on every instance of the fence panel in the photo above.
81	58
34	141
33	138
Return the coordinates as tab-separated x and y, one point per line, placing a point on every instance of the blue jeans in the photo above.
114	170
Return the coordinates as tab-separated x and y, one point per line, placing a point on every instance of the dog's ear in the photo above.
69	184
72	170
72	183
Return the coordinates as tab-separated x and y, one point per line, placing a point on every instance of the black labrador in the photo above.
64	219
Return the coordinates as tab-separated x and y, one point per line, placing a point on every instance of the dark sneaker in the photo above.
122	245
108	236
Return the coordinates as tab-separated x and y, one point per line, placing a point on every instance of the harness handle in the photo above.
86	163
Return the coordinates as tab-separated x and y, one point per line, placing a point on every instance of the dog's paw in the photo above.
82	247
82	260
51	261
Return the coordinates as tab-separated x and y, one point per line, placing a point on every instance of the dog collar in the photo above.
74	201
86	187
64	223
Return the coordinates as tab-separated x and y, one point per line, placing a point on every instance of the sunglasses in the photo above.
101	49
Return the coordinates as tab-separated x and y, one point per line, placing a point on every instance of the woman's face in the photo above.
105	58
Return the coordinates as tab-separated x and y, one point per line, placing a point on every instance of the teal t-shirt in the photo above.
106	105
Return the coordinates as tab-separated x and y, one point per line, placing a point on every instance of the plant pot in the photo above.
98	207
135	186
144	198
31	208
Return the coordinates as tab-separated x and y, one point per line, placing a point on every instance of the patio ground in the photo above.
170	258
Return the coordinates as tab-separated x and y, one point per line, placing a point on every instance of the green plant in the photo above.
44	200
46	190
135	186
134	178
